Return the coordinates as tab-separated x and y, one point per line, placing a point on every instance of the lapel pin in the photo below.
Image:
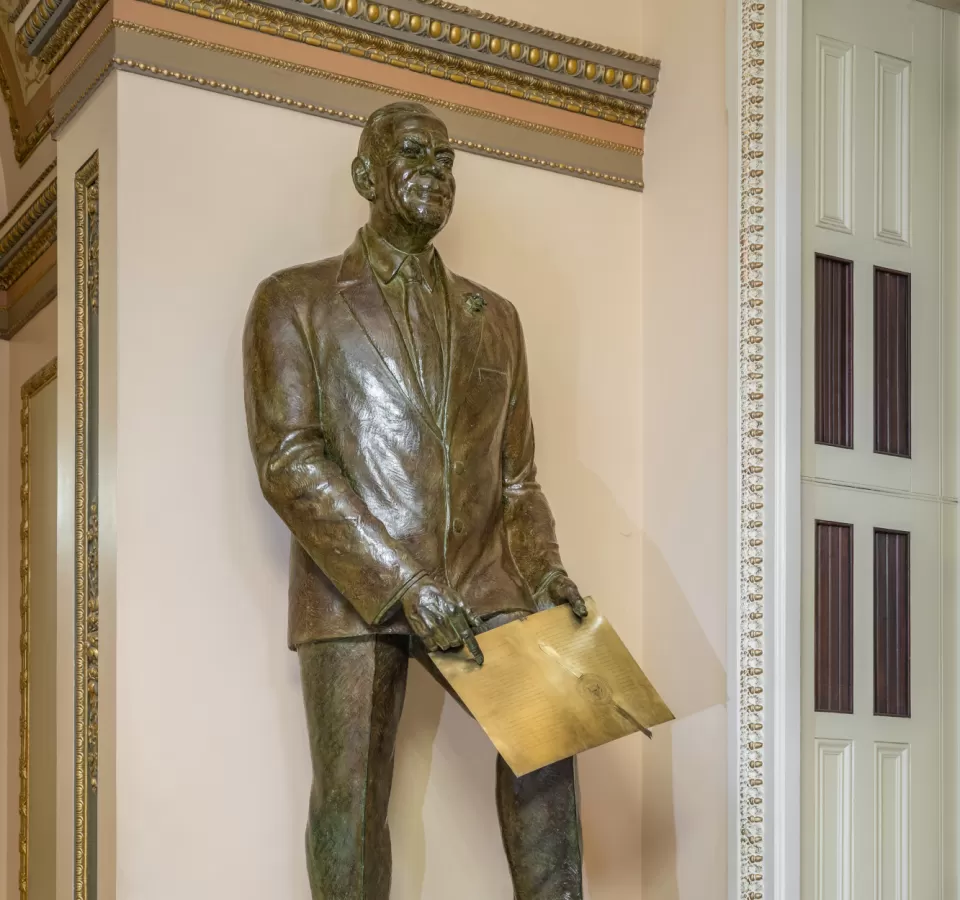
474	302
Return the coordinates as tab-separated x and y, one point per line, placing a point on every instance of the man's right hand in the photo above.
440	618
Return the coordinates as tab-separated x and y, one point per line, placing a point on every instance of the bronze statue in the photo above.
389	417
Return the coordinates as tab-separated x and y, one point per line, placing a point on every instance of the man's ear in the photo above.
362	180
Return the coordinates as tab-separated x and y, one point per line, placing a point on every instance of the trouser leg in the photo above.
540	822
539	818
353	692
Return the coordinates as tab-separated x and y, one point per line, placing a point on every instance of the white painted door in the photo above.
880	97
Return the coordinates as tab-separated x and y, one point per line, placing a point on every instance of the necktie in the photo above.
427	347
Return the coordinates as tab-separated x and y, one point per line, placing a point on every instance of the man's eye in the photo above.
412	150
446	160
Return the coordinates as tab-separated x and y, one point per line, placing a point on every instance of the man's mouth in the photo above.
431	190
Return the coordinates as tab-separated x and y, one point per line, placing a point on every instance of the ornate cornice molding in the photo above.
503	22
53	43
466	48
30	234
286	66
23	144
403	48
13	268
27	220
16	207
470	34
26	234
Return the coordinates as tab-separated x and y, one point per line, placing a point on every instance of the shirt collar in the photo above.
386	260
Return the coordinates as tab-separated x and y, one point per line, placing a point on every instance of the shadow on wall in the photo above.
628	807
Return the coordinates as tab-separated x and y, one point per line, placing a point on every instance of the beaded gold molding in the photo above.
503	22
42	13
30	389
751	456
629	109
487	41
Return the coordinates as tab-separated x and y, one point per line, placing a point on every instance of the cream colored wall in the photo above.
624	303
29	350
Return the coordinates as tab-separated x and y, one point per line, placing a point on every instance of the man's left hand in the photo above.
563	590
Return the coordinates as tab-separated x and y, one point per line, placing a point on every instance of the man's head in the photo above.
404	168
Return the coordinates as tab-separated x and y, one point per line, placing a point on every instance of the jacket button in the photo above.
459	468
458	526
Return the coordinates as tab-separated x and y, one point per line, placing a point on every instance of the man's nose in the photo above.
432	165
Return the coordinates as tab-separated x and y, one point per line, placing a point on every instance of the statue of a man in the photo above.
389	416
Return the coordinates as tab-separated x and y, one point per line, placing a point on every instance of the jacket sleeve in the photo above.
529	522
309	492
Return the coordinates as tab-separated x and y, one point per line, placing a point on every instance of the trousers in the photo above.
353	692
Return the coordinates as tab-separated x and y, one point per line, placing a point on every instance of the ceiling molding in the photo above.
28	270
435	40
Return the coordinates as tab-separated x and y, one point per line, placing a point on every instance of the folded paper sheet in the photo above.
552	686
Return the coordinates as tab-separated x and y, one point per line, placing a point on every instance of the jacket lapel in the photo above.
466	323
360	291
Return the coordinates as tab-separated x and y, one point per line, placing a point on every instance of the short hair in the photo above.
381	120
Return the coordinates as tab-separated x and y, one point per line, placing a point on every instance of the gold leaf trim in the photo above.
422	60
26	144
16	206
111	27
42	13
29	253
541	32
30	389
86	188
479	39
68	31
29	218
23	145
93	635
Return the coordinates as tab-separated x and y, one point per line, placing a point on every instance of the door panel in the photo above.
878	457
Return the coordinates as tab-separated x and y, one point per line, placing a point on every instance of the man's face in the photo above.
414	179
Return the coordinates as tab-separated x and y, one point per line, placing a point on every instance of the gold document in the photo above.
552	686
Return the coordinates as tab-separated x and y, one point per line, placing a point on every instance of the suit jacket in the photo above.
376	491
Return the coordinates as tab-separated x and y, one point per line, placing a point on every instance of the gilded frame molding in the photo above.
31	387
87	188
750	605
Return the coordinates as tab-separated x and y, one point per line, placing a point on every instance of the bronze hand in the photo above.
562	590
440	618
